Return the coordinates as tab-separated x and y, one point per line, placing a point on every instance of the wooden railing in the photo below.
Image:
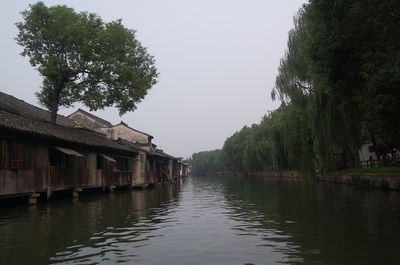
395	162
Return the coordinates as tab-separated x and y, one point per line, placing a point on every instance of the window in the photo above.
3	145
63	157
100	162
17	155
57	159
371	149
105	162
122	164
11	154
60	159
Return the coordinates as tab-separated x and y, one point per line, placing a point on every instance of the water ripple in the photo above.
205	221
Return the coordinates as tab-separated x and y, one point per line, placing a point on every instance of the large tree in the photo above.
83	59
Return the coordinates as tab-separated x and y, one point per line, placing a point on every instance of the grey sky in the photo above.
218	61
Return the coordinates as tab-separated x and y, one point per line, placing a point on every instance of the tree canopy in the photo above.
338	82
83	59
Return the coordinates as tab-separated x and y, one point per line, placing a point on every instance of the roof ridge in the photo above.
126	125
92	115
21	112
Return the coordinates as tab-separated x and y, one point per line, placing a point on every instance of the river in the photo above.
208	220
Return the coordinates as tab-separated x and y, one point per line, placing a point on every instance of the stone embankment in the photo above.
255	174
376	180
291	174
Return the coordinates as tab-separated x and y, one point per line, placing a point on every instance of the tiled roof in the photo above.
163	154
13	105
158	153
46	129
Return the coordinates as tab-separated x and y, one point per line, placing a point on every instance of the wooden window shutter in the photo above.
17	155
3	145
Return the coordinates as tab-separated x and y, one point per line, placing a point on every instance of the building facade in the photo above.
82	151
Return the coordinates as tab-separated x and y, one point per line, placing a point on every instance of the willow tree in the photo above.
319	76
83	59
292	135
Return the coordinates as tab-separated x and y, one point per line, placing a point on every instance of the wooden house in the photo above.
37	156
185	170
79	152
118	131
159	166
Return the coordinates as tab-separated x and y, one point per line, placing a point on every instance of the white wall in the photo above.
130	135
365	153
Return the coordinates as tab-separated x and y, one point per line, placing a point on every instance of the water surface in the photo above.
208	220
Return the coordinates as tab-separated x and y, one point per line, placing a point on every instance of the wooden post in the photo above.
170	170
75	192
33	198
137	169
49	192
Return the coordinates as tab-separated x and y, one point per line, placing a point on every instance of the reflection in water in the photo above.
132	218
221	220
319	223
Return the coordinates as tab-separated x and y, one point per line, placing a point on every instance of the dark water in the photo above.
221	220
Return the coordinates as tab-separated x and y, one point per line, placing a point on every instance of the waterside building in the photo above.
79	152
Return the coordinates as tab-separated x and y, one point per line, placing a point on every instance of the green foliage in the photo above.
339	87
84	59
208	161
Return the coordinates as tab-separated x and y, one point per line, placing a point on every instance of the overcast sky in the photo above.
217	60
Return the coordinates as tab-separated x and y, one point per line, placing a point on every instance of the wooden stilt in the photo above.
33	198
75	192
49	192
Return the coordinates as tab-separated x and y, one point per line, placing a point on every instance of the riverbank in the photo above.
386	178
286	174
382	178
376	180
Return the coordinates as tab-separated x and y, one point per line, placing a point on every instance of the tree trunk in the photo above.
56	100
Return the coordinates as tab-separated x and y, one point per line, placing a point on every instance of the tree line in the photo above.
339	87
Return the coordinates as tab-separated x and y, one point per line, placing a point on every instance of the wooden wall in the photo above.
36	174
